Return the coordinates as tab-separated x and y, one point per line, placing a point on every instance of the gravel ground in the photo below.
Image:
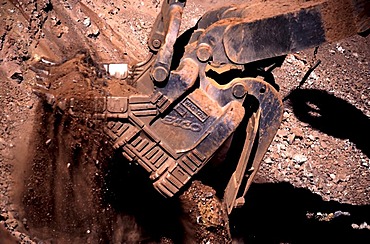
322	143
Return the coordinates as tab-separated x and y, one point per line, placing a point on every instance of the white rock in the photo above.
355	226
364	163
286	115
311	137
87	22
269	161
363	225
299	158
48	141
340	48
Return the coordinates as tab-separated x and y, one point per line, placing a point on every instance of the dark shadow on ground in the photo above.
276	213
331	115
132	196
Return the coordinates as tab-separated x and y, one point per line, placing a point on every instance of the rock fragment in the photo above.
93	32
87	22
299	158
17	76
291	138
269	161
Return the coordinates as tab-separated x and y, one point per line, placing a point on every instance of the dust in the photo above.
63	175
22	159
62	191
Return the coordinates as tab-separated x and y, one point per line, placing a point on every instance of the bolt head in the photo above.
156	43
239	91
159	74
204	52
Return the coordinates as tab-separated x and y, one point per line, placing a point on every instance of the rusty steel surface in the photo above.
260	130
178	119
163	37
248	33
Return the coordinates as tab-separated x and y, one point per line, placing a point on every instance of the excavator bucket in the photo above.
175	119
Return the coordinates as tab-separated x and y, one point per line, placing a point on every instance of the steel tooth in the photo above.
40	71
266	125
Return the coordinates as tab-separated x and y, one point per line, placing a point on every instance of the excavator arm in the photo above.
181	115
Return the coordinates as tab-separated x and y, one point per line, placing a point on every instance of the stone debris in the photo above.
291	138
312	137
299	158
362	226
332	176
87	22
339	48
286	115
326	216
268	160
17	76
93	32
365	163
282	133
298	132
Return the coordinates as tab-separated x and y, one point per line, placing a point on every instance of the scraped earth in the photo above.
313	186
